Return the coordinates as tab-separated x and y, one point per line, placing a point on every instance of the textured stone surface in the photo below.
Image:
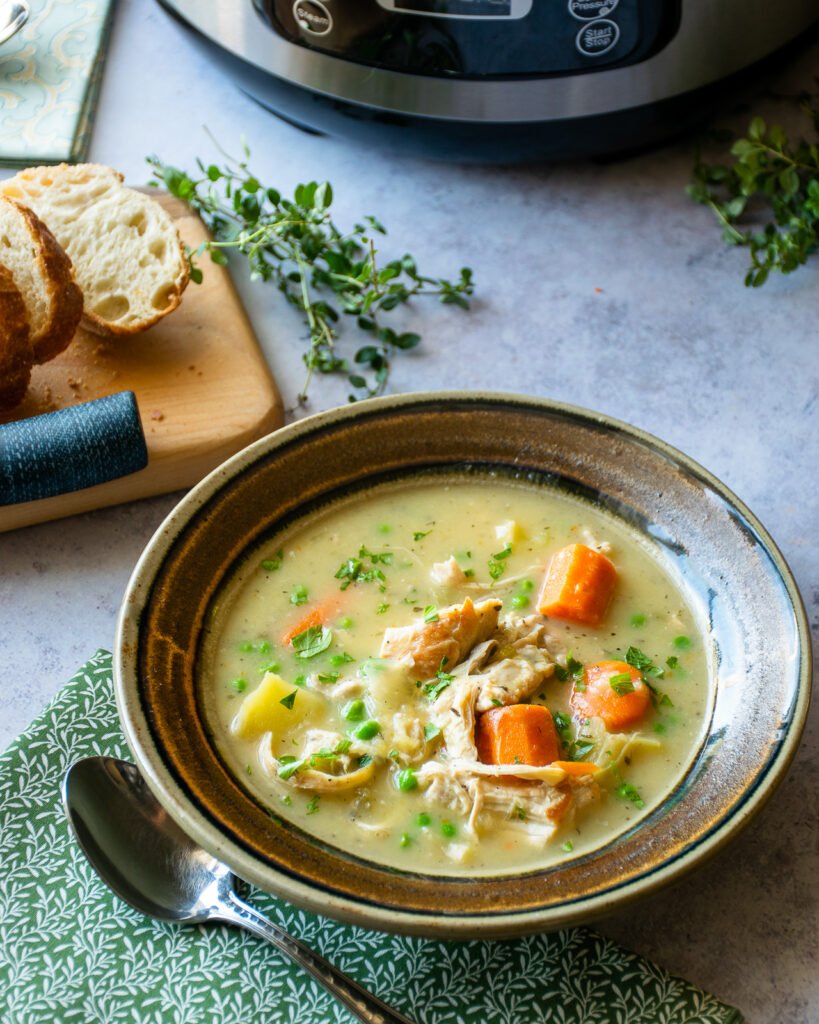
598	284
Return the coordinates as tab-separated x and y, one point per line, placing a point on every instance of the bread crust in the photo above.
64	297
15	350
37	185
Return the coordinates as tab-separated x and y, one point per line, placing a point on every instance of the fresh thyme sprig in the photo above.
775	183
295	243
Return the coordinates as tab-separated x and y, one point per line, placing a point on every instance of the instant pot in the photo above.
496	80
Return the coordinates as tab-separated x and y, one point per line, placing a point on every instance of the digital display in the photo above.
457	8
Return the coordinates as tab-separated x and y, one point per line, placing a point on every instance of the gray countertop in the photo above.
599	284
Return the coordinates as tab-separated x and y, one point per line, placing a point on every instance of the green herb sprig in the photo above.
296	244
772	182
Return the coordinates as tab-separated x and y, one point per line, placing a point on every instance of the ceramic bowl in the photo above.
718	552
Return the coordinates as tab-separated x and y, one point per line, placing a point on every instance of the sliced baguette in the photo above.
15	351
43	275
126	252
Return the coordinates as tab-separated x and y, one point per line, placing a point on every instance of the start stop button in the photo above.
312	17
597	38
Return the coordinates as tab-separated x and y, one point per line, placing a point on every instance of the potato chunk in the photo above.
263	711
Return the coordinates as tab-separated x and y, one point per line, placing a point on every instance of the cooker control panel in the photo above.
478	38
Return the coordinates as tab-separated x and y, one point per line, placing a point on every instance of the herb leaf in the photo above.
295	243
314	640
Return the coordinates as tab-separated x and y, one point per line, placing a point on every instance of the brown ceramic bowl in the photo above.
718	552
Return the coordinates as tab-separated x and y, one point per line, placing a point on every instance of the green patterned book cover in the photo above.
70	951
50	74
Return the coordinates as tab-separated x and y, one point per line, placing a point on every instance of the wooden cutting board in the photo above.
202	386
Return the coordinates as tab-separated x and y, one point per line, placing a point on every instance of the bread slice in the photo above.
43	275
15	351
126	252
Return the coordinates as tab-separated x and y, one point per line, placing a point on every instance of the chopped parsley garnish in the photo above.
314	640
419	534
580	748
576	749
433	690
520	812
431	732
497	703
384	558
682	643
660	727
353	571
287	800
638	619
621	683
239	684
430	613
406	780
626	791
275	563
299	595
364	760
328	677
638	660
673	662
300	680
382	607
572	670
313	805
271	666
288	766
289	700
496	562
568	846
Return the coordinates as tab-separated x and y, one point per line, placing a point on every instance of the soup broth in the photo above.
377	674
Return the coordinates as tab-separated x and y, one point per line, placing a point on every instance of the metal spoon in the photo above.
149	862
13	15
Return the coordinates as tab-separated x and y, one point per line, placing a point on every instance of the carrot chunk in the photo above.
517	734
613	691
578	586
577	767
318	615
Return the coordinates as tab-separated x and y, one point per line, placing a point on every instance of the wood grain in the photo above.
203	389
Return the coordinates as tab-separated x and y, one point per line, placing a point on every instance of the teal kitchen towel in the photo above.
50	75
70	951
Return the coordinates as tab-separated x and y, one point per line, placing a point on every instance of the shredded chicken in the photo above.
426	646
448	573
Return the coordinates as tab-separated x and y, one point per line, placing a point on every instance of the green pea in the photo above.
407	780
367	730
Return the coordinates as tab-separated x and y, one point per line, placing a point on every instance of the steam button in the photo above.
588	10
313	17
597	38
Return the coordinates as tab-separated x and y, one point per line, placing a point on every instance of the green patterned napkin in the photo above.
71	951
50	76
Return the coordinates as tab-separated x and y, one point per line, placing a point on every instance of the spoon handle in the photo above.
362	1004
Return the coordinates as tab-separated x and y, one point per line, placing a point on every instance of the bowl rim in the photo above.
367	913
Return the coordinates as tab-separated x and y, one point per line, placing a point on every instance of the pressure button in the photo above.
597	38
312	17
588	10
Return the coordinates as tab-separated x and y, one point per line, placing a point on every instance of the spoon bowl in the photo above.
149	862
13	15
